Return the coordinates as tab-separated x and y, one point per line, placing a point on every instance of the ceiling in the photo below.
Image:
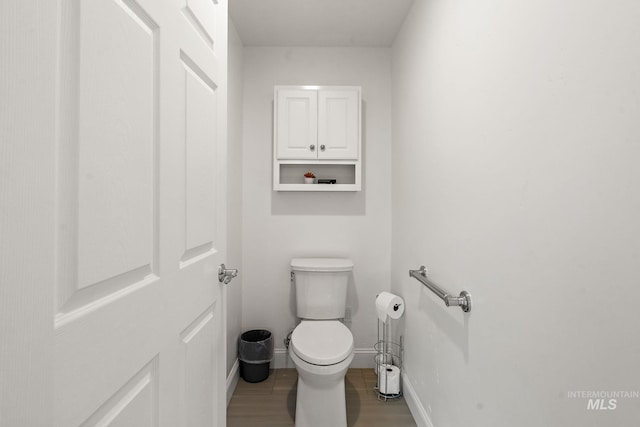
318	22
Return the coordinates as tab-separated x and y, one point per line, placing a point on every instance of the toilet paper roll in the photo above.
388	379
382	359
389	305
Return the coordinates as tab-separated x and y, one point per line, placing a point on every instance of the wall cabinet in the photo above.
317	129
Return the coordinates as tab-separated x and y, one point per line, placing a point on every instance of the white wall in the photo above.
516	142
280	226
234	193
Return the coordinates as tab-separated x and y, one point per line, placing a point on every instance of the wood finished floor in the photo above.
272	402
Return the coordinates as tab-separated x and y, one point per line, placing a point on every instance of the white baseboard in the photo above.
363	358
232	380
418	410
281	359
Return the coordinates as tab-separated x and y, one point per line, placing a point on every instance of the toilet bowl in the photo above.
322	351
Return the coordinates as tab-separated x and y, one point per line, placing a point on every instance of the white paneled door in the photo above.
139	201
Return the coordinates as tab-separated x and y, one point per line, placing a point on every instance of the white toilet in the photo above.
321	345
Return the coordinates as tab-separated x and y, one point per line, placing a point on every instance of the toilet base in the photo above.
324	406
320	399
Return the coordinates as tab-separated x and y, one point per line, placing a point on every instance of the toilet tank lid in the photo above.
321	264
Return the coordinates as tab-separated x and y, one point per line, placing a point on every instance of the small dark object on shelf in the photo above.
326	181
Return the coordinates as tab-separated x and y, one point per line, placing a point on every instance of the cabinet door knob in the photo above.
312	147
322	147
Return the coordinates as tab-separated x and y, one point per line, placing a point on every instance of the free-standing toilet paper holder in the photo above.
389	354
388	368
388	363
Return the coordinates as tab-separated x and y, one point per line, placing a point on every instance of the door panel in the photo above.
107	150
117	150
140	212
135	404
201	15
198	343
98	352
201	101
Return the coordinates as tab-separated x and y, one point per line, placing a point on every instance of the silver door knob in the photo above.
312	147
322	147
225	275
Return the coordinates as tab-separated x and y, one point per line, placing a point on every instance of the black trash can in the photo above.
255	351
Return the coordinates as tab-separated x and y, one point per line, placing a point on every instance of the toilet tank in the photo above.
321	286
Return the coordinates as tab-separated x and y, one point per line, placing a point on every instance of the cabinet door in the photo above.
296	124
338	124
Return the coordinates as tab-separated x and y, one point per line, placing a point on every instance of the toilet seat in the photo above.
322	342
